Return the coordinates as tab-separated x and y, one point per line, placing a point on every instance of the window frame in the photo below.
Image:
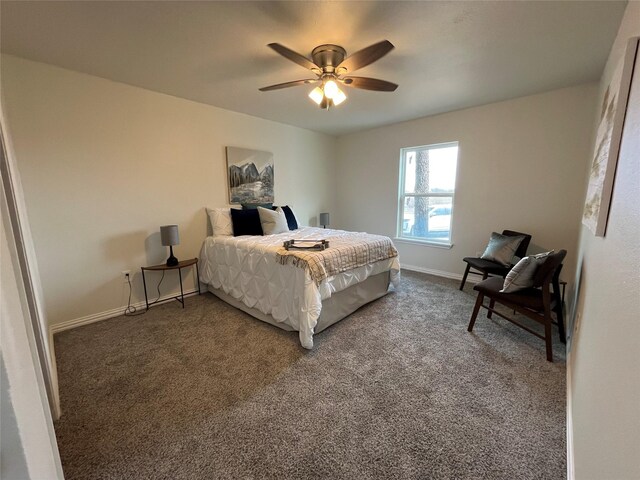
402	196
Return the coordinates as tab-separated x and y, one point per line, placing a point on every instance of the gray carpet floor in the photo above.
399	389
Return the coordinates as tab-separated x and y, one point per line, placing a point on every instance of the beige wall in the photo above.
521	166
604	363
104	164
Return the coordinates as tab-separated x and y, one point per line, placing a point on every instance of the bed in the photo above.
299	291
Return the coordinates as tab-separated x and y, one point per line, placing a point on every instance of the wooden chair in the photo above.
536	302
488	267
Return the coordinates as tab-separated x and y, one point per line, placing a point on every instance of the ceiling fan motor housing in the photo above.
328	56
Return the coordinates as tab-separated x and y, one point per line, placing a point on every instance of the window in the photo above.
427	185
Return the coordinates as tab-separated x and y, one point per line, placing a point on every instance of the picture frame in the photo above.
250	175
607	143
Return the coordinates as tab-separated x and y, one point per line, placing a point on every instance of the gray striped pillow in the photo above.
521	276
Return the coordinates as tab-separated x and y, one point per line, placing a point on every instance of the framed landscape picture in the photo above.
607	144
250	175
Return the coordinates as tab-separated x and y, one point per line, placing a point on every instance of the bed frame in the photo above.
335	308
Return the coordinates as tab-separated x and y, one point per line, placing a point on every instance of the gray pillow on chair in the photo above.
521	276
502	248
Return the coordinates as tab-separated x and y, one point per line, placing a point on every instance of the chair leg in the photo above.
491	305
464	277
547	336
476	309
485	275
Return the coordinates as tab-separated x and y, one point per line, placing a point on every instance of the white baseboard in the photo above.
571	473
115	312
441	273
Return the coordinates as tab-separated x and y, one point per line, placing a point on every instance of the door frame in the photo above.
28	349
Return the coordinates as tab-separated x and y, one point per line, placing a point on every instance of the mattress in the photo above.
245	268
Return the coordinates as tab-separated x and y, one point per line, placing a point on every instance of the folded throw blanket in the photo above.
345	252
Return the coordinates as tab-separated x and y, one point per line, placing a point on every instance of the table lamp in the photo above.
170	237
324	220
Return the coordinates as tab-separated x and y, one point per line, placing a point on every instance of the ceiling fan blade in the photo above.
369	84
368	55
289	84
294	56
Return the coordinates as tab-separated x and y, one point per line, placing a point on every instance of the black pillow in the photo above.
291	218
245	222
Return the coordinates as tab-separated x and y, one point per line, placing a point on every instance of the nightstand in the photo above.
163	267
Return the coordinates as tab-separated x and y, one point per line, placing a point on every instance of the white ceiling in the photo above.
448	55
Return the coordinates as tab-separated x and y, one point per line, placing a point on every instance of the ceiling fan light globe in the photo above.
339	97
330	89
316	95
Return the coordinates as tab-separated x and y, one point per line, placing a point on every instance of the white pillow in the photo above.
521	276
273	221
220	219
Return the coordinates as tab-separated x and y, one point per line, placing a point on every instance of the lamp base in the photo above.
171	261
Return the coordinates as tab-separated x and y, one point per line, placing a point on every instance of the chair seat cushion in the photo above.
530	298
487	266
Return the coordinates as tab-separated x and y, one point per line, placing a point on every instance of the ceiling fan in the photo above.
332	68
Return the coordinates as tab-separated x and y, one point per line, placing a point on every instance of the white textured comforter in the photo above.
245	267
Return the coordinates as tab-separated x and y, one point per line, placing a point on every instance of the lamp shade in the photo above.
324	219
169	235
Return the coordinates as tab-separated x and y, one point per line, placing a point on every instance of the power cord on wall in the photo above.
159	283
132	311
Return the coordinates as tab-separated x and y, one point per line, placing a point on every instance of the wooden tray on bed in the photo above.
315	245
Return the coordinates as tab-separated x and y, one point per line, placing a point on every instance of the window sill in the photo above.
426	243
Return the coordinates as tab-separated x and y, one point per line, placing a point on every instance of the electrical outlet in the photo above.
126	275
578	322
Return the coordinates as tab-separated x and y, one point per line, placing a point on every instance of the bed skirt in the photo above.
334	308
